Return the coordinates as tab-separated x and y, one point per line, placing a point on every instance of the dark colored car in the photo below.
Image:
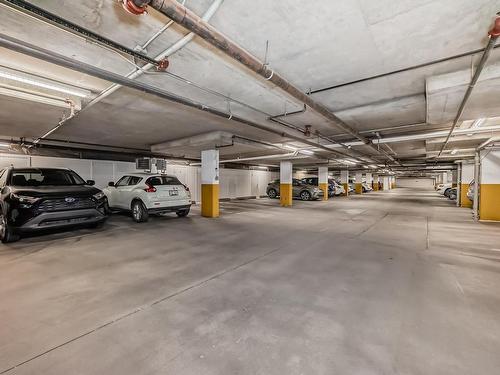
299	190
453	194
32	199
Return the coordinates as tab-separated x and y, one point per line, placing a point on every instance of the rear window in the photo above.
44	177
162	180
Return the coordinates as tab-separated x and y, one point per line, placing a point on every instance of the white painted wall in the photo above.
234	183
490	167
417	183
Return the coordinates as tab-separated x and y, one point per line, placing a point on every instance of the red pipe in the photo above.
495	31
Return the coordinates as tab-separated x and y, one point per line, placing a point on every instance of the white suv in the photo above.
145	194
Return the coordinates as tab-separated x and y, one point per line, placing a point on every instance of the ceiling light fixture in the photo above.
476	124
288	147
29	79
306	152
454	151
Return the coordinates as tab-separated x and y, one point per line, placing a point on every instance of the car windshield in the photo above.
162	180
44	177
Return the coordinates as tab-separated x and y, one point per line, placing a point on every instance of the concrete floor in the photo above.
398	282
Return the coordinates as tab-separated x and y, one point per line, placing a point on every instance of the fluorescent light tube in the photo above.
43	83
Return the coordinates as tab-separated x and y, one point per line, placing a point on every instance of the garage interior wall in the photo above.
418	183
234	183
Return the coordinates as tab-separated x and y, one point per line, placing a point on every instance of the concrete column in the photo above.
449	177
467	177
369	179
393	182
323	181
385	183
454	178
489	188
359	183
375	182
286	183
459	183
344	180
210	183
444	177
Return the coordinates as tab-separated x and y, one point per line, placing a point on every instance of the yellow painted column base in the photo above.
393	185
489	204
286	195
210	200
358	188
464	201
346	189
324	187
375	186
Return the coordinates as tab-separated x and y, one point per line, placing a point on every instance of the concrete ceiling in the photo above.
321	45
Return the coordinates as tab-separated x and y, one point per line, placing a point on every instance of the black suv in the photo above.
38	198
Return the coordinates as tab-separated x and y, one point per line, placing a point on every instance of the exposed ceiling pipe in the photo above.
494	33
61	123
203	29
163	55
487	143
142	48
67	62
426	136
289	156
41	14
54	20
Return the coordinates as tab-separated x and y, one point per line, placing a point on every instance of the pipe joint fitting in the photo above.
495	31
135	7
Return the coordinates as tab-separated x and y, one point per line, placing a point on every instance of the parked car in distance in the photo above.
332	188
300	190
351	187
452	194
339	189
443	188
148	193
470	191
33	199
366	187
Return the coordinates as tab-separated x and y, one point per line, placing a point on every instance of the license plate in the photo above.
173	192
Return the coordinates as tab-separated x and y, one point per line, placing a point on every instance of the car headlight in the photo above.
99	195
25	198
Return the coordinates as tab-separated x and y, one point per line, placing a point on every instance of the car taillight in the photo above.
150	189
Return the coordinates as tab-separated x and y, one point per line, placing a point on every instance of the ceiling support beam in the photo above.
67	62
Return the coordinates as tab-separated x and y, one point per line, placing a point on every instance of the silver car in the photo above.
299	190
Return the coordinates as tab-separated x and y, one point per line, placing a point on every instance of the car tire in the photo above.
6	233
139	212
447	192
183	213
272	193
305	195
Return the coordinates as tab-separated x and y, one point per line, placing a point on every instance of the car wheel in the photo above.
305	195
139	212
6	233
183	213
271	193
447	192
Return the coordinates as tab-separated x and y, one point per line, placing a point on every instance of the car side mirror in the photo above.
90	182
111	184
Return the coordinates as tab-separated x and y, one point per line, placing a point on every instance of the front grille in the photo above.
63	204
